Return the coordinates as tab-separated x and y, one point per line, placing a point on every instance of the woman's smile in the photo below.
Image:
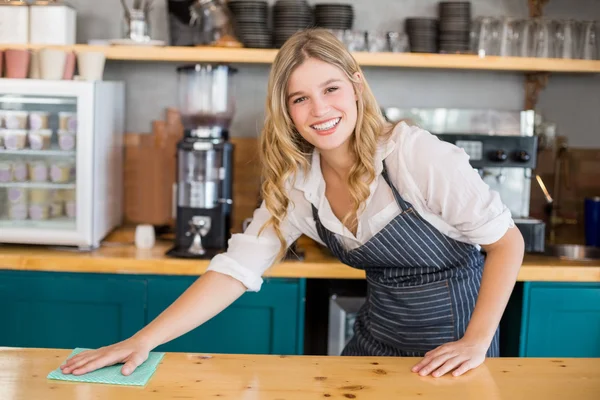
326	128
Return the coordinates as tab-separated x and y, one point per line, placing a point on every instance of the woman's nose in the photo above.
319	107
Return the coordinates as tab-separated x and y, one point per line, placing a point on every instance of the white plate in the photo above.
130	42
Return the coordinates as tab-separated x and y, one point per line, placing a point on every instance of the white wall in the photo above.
573	101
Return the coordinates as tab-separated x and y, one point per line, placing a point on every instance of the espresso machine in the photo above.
502	147
203	193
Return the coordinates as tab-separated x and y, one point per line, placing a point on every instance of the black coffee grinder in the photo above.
205	161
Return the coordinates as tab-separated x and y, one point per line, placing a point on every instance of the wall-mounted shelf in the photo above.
406	60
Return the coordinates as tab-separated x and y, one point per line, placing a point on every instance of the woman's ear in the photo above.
358	85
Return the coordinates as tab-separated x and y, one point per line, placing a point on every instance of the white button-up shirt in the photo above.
434	176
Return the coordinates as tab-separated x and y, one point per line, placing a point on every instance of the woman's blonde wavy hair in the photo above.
283	150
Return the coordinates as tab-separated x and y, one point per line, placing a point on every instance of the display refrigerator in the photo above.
61	161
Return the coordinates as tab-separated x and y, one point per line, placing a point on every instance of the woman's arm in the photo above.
500	271
453	190
502	264
228	277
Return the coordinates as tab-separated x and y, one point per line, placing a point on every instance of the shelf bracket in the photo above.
535	82
536	7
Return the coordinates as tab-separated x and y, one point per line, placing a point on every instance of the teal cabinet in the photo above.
68	310
560	320
61	310
270	321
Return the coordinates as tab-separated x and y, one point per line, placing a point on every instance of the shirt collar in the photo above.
310	182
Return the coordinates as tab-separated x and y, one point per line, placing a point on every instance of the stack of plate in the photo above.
455	26
422	34
290	16
251	22
334	16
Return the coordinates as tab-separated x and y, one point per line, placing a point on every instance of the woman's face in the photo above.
322	104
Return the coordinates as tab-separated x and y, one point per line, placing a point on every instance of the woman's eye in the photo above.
299	99
331	89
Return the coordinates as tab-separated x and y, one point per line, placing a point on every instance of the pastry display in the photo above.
38	171
40	139
66	140
19	171
38	120
17	211
15	119
5	171
15	139
62	171
39	211
67	121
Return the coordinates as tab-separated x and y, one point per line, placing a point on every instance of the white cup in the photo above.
90	65
52	64
144	236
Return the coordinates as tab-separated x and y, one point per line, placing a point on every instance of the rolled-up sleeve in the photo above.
248	255
454	190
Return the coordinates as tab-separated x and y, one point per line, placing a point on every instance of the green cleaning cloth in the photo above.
112	375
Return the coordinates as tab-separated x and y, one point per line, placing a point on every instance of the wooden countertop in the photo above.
267	377
118	255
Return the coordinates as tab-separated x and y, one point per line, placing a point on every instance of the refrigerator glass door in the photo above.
43	191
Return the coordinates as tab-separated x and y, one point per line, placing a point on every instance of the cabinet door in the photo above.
267	322
61	310
561	320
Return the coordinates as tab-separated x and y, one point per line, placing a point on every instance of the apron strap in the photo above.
403	205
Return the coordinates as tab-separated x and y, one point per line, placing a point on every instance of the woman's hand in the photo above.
459	356
133	352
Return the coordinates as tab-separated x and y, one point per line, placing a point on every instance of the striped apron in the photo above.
421	286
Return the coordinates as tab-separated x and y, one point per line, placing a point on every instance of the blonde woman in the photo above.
392	200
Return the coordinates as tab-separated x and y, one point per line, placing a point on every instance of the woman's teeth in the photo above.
326	125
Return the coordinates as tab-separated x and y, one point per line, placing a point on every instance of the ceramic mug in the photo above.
52	64
91	65
17	63
70	66
144	236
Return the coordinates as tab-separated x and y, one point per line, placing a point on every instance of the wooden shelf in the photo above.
406	60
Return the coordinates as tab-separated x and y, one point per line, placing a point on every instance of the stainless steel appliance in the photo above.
502	147
342	315
205	161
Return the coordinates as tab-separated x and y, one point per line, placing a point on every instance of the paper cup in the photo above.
52	64
91	65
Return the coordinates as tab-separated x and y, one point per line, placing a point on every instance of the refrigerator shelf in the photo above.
38	185
26	99
43	153
53	223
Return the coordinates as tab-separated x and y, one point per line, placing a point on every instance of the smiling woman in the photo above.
392	200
